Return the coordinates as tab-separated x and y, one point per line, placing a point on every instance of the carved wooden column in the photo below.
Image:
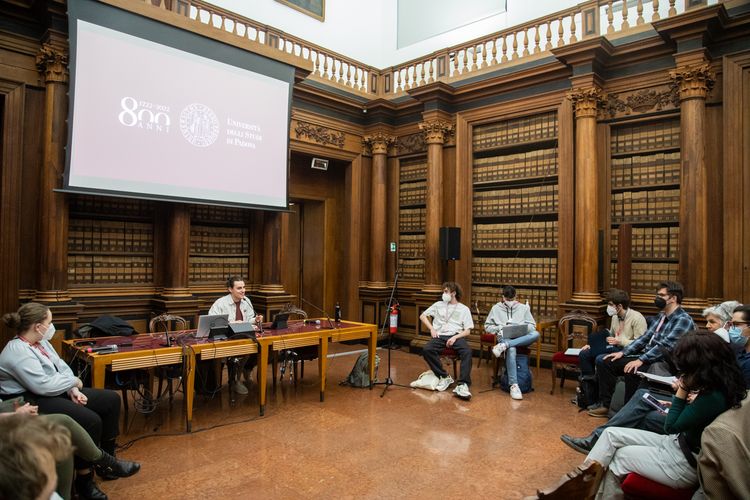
586	102
392	192
693	84
379	144
271	254
435	132
178	238
53	210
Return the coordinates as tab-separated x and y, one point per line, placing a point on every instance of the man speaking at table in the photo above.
238	308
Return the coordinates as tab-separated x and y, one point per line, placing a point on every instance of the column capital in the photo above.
436	131
587	101
378	143
693	81
52	64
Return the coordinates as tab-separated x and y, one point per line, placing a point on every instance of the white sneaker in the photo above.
239	388
515	392
462	391
499	349
443	383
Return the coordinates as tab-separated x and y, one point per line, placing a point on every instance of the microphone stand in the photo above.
389	381
328	318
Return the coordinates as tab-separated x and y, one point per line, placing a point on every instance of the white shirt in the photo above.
449	319
226	305
24	367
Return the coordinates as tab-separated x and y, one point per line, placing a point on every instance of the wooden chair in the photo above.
167	323
574	329
581	484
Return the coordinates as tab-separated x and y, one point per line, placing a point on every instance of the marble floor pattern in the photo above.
411	443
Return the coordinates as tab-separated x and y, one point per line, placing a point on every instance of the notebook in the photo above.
208	321
515	331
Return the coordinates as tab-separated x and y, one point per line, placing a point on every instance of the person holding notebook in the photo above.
238	308
515	327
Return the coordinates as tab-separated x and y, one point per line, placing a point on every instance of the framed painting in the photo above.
313	8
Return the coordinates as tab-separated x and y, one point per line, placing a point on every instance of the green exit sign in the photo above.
393	246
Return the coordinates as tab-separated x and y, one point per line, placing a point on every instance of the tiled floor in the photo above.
410	443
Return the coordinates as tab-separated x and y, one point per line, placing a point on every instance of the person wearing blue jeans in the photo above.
511	312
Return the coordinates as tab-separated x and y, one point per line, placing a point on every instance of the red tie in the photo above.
238	313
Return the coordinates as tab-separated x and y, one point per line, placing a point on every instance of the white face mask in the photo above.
49	333
446	297
611	310
722	332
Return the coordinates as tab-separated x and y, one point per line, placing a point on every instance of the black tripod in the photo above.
388	380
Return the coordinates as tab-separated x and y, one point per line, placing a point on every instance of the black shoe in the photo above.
581	445
87	488
109	467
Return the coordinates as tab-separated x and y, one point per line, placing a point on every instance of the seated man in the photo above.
650	348
238	308
451	322
505	313
739	328
627	325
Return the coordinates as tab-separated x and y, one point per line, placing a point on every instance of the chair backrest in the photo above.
575	326
580	484
163	323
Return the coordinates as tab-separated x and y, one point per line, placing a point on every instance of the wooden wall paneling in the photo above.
450	189
715	198
566	218
353	207
291	263
313	280
32	158
255	273
178	238
364	218
10	198
393	171
463	203
736	165
605	182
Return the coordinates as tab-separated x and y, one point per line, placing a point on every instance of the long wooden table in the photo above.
149	351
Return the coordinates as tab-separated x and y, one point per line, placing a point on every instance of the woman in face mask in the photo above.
716	322
30	367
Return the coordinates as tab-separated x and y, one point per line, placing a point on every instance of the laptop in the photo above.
515	331
208	321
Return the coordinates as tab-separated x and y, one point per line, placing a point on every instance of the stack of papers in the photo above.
666	380
572	351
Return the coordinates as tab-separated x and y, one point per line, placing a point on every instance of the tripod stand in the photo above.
388	380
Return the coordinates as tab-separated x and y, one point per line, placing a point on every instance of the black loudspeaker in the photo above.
450	243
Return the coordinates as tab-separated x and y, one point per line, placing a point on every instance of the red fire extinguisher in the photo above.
393	317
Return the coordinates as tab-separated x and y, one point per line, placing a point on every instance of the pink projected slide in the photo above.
153	120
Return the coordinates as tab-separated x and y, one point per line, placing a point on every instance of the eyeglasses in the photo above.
663	295
736	323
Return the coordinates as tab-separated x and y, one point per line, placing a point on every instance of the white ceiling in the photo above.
367	31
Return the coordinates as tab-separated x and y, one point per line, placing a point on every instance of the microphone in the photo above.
328	317
105	349
259	323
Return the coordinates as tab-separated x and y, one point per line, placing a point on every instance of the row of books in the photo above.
208	213
219	240
88	269
532	271
645	276
662	205
411	269
651	242
664	134
515	235
411	219
543	301
93	235
542	162
525	200
413	170
85	204
413	193
411	245
659	168
216	269
518	130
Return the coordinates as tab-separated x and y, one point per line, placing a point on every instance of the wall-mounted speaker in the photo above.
319	164
450	243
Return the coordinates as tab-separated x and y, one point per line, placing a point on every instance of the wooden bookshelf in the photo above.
411	218
219	243
515	212
110	240
645	192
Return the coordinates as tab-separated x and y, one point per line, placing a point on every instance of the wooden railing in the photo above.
522	43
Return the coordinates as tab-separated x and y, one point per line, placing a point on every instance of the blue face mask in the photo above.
736	341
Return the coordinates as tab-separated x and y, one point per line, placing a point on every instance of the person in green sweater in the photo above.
709	371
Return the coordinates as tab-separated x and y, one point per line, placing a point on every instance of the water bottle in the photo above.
337	313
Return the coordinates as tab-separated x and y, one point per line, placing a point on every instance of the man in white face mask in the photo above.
451	323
